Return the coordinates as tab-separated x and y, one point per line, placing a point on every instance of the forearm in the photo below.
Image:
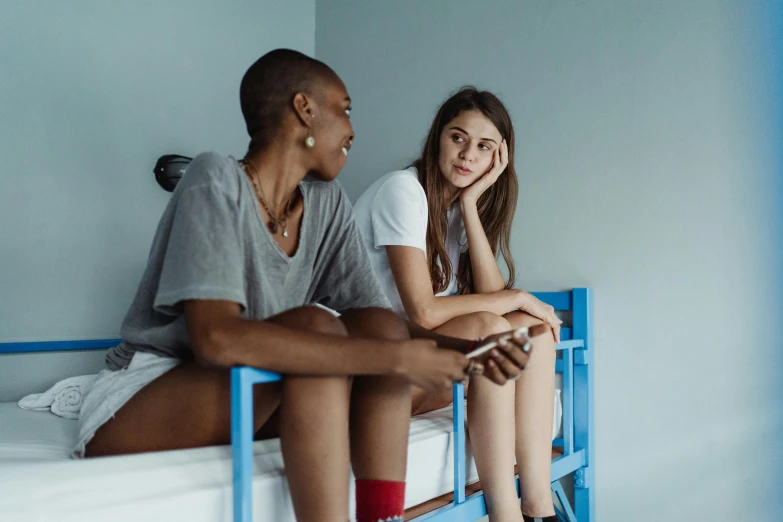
486	272
438	310
261	344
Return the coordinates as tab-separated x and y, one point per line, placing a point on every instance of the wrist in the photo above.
467	202
399	358
523	300
515	299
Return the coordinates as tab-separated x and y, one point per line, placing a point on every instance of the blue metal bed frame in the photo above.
575	363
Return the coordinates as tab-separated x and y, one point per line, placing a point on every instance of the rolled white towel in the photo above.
63	399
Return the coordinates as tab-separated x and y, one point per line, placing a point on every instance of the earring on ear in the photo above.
310	141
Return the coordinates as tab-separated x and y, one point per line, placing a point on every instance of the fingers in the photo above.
461	367
515	353
538	329
500	161
509	368
551	324
494	373
555	323
474	368
508	360
503	155
520	337
436	369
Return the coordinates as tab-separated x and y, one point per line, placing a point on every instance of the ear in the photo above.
304	107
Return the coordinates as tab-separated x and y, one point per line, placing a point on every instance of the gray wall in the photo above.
646	170
92	93
645	166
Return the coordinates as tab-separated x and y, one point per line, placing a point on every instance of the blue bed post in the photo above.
242	443
458	408
242	380
584	493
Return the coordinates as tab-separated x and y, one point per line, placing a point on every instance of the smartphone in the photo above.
487	347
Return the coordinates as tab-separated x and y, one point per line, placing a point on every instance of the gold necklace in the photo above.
274	221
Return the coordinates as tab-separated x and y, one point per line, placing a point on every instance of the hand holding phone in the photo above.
504	356
490	343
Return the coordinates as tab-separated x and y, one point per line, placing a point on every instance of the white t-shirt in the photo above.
393	211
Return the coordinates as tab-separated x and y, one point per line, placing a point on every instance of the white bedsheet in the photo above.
40	483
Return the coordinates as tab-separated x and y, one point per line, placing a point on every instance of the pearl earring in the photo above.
310	142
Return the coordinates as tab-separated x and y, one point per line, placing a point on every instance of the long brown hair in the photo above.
495	207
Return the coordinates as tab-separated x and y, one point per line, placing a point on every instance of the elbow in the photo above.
211	347
425	317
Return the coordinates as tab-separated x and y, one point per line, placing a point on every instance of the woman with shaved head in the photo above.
244	250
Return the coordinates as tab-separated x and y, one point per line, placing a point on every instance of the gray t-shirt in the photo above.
212	244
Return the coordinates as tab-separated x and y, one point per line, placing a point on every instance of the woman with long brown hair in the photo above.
434	232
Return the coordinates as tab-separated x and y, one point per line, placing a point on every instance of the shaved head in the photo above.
269	85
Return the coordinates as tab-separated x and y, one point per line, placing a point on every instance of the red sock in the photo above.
380	500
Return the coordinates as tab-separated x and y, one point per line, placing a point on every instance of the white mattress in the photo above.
40	483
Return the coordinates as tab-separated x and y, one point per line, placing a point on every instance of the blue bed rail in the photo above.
577	441
575	363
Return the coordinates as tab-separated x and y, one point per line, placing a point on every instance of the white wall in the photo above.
91	94
645	161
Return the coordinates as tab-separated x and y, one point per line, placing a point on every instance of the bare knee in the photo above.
319	389
302	392
520	319
312	319
375	323
484	324
543	345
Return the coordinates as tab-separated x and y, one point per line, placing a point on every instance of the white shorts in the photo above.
112	389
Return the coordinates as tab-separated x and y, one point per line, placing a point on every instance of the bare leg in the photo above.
314	440
491	422
380	405
189	406
534	415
